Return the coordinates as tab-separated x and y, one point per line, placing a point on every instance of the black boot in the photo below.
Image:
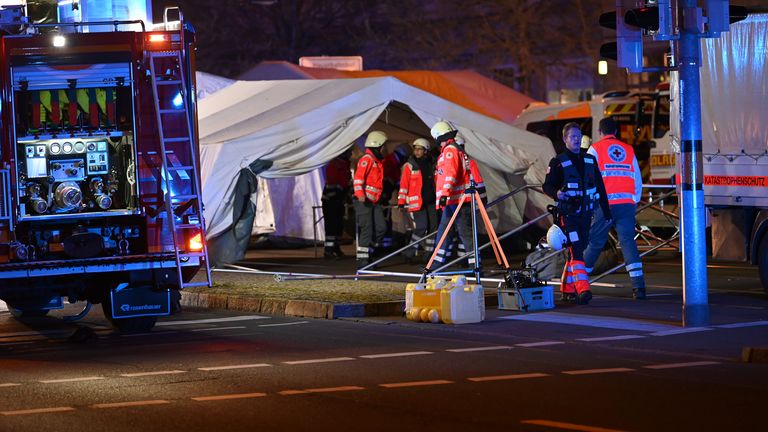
638	293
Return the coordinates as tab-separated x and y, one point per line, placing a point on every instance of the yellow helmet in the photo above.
375	139
421	142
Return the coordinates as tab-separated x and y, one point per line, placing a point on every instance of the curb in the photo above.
296	308
754	355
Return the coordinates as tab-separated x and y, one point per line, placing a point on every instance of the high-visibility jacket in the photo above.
369	177
452	178
410	187
618	166
337	176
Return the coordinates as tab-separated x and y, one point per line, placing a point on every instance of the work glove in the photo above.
401	206
443	201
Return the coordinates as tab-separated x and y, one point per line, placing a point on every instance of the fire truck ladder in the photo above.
185	145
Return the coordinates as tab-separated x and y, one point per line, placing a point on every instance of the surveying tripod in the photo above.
477	204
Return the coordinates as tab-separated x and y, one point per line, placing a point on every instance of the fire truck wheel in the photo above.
762	262
128	325
27	313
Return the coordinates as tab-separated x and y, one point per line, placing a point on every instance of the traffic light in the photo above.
632	20
628	48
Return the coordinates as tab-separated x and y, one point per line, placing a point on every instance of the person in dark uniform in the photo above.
338	179
573	180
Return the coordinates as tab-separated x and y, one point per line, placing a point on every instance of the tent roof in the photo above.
301	125
462	87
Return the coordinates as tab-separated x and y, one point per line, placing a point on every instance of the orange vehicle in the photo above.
100	198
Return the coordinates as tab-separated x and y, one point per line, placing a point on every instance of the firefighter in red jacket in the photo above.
416	194
368	187
452	178
337	181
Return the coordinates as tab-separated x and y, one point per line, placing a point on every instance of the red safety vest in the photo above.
452	178
616	163
337	177
410	187
369	177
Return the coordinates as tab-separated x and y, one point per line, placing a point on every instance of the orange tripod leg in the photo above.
445	234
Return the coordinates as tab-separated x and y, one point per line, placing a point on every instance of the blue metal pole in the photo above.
695	302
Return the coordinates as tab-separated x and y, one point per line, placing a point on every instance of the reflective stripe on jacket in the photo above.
337	177
619	169
410	187
369	177
451	178
581	190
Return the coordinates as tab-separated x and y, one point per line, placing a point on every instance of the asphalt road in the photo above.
613	365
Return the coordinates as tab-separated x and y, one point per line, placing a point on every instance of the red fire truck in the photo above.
100	198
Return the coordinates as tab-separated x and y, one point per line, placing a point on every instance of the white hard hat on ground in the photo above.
556	239
375	139
421	142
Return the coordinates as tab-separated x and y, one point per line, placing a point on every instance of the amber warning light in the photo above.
157	37
196	242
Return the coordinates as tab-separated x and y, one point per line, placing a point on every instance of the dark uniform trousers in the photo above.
462	225
333	216
425	220
371	227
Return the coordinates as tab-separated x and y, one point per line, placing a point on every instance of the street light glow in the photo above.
602	67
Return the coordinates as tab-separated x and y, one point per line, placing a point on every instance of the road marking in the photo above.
665	286
323	360
9	384
610	338
744	324
284	324
660	295
228	396
507	377
150	333
241	366
400	354
681	365
416	383
142	374
218	328
213	320
597	371
37	411
320	390
130	404
539	344
487	348
681	331
64	380
591	321
569	426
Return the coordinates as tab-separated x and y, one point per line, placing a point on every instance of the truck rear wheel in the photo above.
128	325
762	262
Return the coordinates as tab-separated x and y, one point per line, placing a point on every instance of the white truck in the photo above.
734	120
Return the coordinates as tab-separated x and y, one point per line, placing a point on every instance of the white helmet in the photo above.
375	139
421	142
556	238
442	128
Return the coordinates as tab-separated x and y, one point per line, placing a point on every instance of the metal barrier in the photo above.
535	187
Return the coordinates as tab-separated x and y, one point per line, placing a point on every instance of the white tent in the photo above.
301	125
